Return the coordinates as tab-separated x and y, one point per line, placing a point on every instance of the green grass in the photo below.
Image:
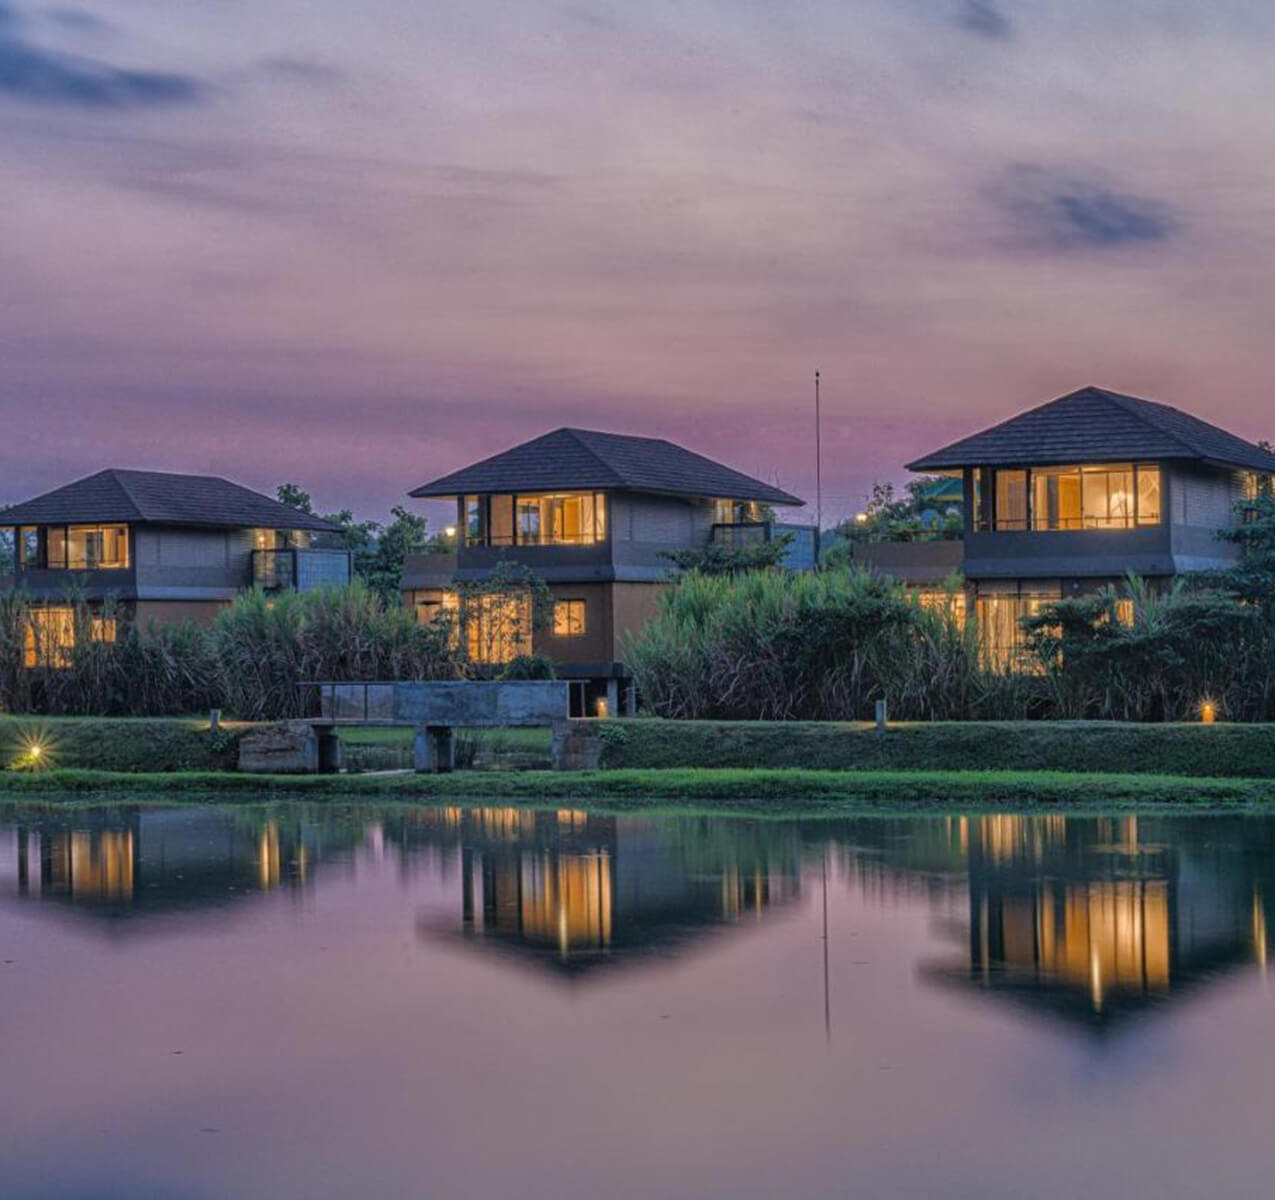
1226	750
122	743
720	790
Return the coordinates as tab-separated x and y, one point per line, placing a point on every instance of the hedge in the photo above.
119	743
1195	750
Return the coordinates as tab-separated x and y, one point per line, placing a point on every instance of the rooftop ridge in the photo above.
1136	407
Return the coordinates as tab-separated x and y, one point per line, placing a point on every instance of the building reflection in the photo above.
571	890
1095	919
133	861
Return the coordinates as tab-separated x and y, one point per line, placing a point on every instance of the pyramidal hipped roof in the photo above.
159	498
1096	425
583	459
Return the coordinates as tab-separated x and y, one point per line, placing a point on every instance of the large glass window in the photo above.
502	521
50	635
475	520
1011	499
1149	502
497	628
84	548
1107	497
29	546
1118	496
1001	636
736	512
551	519
1056	498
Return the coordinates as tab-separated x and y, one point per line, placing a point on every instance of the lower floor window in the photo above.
568	618
51	635
1001	636
496	628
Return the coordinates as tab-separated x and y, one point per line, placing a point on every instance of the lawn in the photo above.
759	791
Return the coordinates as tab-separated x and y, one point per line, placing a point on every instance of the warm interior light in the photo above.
1208	712
602	709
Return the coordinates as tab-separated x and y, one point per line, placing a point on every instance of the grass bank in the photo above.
721	789
1221	750
154	744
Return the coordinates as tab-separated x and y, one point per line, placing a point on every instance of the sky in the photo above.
356	246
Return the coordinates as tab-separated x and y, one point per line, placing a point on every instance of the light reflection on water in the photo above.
312	1000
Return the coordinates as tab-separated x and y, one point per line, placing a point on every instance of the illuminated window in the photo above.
430	604
1118	496
1149	501
497	628
942	601
1107	497
736	512
1001	636
553	519
568	618
50	635
86	547
1011	499
1056	498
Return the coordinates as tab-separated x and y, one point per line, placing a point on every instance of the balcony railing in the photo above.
737	536
304	570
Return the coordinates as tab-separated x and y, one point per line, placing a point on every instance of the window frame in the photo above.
569	603
1085	472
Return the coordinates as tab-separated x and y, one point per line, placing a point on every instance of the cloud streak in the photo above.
35	75
982	17
1066	210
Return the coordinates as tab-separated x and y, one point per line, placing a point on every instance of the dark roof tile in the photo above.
1095	425
159	498
569	459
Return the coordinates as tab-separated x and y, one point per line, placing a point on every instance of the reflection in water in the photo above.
1094	919
326	1000
130	861
566	889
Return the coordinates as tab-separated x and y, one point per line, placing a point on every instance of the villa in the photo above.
594	515
1073	495
162	546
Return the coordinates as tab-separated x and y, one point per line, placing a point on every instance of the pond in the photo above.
336	1001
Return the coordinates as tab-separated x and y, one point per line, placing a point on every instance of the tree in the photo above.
887	518
715	559
502	612
294	496
408	533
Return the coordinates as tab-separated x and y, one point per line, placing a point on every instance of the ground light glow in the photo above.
35	751
1208	712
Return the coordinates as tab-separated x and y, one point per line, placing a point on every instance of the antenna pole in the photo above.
818	469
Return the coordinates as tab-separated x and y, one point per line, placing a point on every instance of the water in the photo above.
321	1001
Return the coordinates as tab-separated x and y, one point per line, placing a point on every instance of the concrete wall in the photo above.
1201	501
177	612
916	563
596	645
646	527
191	564
632	605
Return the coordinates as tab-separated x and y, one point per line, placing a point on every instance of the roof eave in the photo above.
769	496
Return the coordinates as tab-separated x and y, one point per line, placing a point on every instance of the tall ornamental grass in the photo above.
770	645
250	662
